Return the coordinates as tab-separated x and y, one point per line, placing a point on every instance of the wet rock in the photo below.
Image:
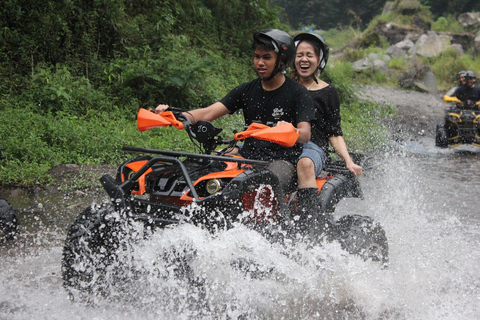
17	192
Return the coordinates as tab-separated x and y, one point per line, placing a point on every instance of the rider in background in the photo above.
461	82
469	92
310	60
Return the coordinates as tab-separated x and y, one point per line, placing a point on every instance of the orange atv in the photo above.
461	125
211	189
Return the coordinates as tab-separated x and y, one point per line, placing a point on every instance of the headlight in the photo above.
213	186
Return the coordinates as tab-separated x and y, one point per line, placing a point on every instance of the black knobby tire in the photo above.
89	249
8	222
361	236
441	138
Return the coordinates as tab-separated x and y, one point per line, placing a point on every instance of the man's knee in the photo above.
305	165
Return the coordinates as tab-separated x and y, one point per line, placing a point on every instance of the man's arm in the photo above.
209	113
304	129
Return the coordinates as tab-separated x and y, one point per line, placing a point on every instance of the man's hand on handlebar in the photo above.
161	108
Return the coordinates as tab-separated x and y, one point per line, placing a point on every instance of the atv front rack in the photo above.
196	156
120	191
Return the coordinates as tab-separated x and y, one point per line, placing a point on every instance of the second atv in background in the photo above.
461	124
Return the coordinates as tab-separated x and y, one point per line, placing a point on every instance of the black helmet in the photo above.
319	42
461	74
283	46
470	74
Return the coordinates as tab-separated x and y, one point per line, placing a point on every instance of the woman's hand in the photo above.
355	169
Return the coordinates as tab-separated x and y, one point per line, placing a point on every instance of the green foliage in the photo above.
419	16
397	64
56	90
447	24
451	7
159	77
37	142
329	14
338	38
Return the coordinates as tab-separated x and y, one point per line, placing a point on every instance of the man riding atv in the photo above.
461	125
469	92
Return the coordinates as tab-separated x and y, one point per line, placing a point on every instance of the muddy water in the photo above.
426	199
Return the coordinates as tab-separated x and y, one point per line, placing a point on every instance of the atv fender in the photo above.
336	189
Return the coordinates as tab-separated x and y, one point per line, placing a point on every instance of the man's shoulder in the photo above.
246	86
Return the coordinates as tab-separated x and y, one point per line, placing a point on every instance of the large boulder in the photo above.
396	52
405	45
431	45
470	20
476	43
420	78
372	62
395	33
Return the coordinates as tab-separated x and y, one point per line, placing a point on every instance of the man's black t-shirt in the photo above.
291	102
327	121
464	93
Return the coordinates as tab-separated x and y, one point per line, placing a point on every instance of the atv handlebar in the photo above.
148	120
456	100
285	134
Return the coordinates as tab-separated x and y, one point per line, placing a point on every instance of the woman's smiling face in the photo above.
306	60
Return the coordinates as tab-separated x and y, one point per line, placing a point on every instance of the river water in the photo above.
426	199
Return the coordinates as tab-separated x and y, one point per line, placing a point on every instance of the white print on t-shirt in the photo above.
277	113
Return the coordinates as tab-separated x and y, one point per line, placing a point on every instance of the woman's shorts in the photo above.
316	154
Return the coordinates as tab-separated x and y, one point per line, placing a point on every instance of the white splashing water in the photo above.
429	214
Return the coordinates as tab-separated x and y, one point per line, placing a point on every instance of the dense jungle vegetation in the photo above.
343	13
74	73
